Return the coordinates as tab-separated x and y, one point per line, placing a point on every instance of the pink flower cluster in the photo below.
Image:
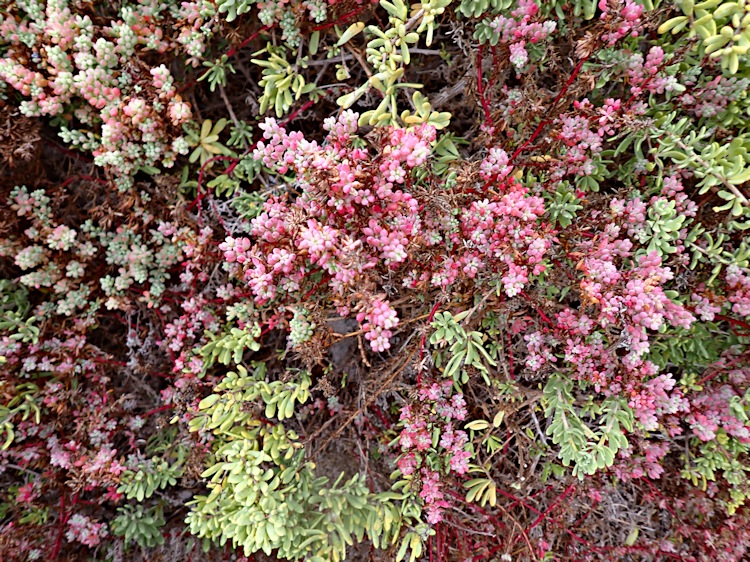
623	294
592	359
353	215
498	237
656	398
636	293
674	190
377	323
432	416
93	64
28	492
356	220
519	29
645	74
184	333
433	496
649	462
495	165
713	409
625	18
581	143
738	284
712	97
705	309
539	346
82	529
505	231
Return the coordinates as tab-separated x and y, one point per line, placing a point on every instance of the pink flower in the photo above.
407	464
27	493
83	530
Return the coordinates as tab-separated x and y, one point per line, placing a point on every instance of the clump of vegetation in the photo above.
325	281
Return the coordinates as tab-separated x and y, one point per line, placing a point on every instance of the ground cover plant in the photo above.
368	280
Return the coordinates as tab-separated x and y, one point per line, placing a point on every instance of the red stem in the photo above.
517	500
64	516
340	19
424	339
480	89
551	507
541	313
157	410
63	519
545	122
231	52
381	416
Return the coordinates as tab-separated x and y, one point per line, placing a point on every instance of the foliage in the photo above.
263	495
722	27
466	349
563	206
141	526
281	82
151	475
479	289
589	450
206	141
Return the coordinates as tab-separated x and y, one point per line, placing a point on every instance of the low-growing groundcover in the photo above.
355	280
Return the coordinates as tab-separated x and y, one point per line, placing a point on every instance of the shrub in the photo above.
329	280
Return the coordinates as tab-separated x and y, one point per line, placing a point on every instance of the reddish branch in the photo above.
63	519
231	52
424	336
480	89
424	340
560	498
159	409
546	122
341	19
